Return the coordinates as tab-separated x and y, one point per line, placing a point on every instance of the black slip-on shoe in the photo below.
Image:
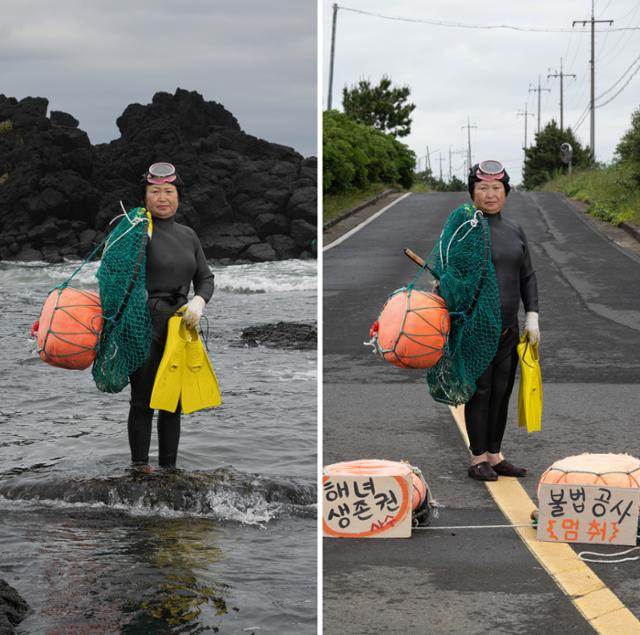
482	472
504	468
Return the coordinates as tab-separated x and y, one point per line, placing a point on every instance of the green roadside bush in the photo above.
356	155
611	192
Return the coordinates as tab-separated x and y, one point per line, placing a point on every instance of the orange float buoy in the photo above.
379	467
610	470
69	328
412	329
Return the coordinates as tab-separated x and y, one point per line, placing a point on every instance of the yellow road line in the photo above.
597	603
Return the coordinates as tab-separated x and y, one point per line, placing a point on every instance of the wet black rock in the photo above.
12	608
176	490
288	335
248	199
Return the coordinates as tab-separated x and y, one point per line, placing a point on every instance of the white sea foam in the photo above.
280	373
226	506
263	277
268	277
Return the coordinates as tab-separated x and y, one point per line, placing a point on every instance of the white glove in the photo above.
193	311
531	327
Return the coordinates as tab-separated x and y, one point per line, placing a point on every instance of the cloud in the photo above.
94	58
486	75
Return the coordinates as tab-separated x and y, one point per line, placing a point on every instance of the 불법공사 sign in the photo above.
590	514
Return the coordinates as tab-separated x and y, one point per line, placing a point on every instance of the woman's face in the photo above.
162	200
489	196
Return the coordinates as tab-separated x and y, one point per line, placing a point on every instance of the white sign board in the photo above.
358	506
591	514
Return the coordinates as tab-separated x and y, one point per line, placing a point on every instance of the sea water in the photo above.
228	543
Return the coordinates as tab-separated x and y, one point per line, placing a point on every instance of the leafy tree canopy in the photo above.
628	150
355	155
440	185
542	160
383	107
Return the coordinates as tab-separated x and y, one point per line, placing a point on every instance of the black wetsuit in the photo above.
486	411
174	260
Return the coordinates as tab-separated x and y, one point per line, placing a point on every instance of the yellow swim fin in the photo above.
200	388
168	381
530	393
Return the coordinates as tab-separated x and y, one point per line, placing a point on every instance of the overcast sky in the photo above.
486	73
93	58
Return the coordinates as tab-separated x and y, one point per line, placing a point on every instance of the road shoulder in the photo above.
353	220
616	235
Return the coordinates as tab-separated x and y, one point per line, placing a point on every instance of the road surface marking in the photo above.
597	603
358	227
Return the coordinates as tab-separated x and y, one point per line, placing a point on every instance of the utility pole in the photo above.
468	127
525	114
453	153
593	22
428	159
333	53
539	90
441	166
561	75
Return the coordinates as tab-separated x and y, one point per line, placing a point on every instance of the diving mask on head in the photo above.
489	170
161	173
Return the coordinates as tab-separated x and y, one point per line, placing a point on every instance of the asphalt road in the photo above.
474	581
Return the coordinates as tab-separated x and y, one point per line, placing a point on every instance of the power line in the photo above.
566	53
625	38
460	25
619	79
605	9
582	117
621	89
629	12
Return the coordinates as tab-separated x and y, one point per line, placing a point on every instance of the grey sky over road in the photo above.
486	73
92	59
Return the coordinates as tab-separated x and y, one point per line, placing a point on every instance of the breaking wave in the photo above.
268	277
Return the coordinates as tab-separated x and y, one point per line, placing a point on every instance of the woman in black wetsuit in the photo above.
174	260
486	411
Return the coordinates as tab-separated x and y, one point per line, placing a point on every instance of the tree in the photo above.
542	160
383	106
454	185
628	150
355	155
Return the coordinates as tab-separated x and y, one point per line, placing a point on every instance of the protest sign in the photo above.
590	514
361	506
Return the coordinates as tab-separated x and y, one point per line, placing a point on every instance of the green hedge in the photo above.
355	155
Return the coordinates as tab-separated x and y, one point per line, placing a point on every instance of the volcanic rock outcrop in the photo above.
13	608
249	200
287	335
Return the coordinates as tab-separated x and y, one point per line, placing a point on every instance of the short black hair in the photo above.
473	179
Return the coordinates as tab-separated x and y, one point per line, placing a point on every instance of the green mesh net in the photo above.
461	262
126	334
